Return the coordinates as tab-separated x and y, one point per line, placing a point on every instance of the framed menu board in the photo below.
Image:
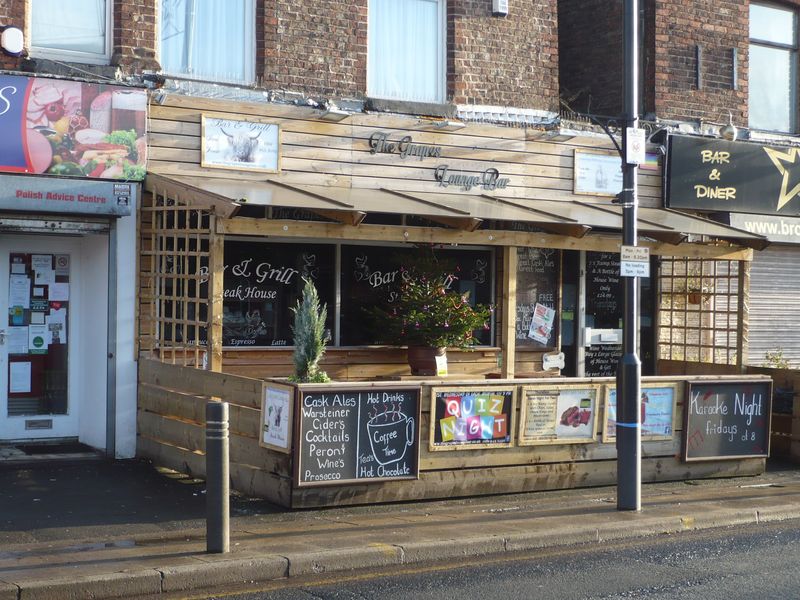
471	418
538	276
657	413
558	414
366	435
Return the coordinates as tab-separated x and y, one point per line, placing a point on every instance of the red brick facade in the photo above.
503	61
135	35
672	32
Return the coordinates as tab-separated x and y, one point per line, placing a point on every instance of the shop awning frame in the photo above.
456	211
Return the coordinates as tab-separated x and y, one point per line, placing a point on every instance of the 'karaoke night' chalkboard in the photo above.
727	419
357	435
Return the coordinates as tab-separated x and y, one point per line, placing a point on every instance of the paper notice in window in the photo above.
19	291
17	340
37	339
541	323
19	378
45	277
59	292
57	326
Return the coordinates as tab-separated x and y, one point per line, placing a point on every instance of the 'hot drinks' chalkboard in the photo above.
727	419
358	435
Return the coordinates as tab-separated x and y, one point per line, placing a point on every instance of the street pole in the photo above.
629	369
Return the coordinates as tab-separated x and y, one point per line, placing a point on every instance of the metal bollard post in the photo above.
217	481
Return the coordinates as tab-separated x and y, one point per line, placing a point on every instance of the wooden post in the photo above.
216	260
508	326
744	321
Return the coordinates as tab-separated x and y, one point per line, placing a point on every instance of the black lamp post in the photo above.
629	369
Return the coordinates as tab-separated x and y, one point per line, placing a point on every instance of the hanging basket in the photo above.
422	359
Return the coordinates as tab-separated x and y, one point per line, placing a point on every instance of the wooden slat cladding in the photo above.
171	419
318	152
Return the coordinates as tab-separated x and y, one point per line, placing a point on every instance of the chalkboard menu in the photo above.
538	277
603	289
357	435
471	418
263	281
603	311
371	277
727	419
602	360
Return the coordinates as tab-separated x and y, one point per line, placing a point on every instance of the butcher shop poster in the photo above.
240	144
72	128
562	414
657	412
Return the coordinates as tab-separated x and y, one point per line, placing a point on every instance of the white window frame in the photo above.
249	47
794	51
90	58
441	66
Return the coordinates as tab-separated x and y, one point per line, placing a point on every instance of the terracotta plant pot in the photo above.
695	297
422	359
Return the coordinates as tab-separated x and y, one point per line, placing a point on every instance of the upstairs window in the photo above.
773	68
406	50
77	30
209	39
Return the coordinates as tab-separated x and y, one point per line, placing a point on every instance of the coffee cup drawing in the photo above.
390	434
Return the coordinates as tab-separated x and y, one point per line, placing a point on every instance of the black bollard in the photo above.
217	481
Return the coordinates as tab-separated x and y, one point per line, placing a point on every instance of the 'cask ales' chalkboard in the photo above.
358	435
727	419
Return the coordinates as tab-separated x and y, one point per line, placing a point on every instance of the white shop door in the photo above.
40	330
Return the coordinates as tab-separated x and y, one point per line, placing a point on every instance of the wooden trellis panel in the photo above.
701	310
177	283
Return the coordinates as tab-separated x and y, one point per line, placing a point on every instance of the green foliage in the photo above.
426	312
310	336
774	359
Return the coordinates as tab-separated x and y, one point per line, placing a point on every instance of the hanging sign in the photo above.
717	175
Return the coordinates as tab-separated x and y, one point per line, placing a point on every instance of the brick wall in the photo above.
321	48
318	48
591	61
718	28
135	35
504	61
591	57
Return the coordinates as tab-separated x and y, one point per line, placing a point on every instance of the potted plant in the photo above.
310	336
428	315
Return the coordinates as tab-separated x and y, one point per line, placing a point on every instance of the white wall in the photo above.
126	332
90	352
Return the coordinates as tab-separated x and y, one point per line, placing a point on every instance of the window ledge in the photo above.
428	109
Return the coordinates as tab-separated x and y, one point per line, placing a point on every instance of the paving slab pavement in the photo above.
105	529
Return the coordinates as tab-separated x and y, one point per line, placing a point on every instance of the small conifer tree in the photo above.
310	336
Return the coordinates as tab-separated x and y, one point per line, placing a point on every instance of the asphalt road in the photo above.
724	564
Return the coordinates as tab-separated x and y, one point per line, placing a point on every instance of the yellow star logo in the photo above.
778	158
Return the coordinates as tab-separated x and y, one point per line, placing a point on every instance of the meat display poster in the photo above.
561	414
72	128
657	412
471	418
